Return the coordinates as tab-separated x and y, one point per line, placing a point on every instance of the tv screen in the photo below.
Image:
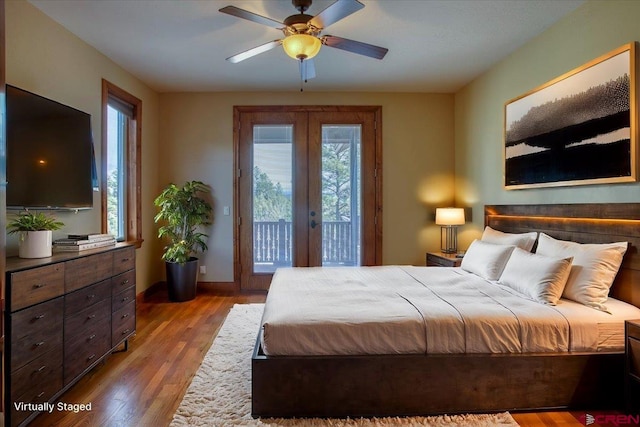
49	153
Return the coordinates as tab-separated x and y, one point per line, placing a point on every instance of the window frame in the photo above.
133	225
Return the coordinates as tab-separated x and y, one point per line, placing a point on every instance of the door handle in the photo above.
313	223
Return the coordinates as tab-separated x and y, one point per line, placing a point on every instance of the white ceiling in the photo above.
181	45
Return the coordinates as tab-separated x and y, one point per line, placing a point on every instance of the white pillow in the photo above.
538	277
486	259
522	240
594	268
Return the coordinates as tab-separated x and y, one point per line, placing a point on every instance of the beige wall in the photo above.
45	58
196	135
591	31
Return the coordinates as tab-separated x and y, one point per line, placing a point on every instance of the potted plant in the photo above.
35	229
183	212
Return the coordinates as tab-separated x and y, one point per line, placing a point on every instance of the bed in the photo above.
426	373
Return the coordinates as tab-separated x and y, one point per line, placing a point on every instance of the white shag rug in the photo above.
220	392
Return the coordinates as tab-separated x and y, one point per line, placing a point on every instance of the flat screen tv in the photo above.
50	161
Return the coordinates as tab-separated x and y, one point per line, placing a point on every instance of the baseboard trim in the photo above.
161	287
220	286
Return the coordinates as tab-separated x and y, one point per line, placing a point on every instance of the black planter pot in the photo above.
182	280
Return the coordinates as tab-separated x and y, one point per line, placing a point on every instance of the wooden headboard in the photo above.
583	223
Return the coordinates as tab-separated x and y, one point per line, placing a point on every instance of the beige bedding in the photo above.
418	310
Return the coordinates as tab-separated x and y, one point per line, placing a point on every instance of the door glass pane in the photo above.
272	190
341	195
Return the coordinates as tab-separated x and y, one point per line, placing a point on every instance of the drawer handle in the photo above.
91	296
91	337
39	285
125	259
126	331
39	316
39	344
124	316
91	357
124	282
40	395
125	299
91	316
40	369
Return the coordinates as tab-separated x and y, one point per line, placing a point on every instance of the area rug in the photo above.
220	392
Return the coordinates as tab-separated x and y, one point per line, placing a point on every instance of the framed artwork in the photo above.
580	128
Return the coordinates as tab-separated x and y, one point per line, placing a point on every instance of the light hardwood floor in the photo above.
144	385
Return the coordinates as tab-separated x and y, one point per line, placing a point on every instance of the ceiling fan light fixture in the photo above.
301	46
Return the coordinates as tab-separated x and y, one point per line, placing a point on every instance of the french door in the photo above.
308	185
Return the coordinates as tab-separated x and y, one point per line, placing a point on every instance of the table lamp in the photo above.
449	219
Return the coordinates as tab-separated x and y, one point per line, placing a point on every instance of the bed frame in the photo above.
384	385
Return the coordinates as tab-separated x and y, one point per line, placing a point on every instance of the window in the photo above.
120	183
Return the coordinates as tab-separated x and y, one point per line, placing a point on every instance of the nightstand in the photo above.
632	364
439	259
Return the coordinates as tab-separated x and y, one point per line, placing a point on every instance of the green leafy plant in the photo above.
183	212
33	221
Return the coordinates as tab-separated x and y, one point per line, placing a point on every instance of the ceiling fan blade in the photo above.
355	47
250	16
307	69
335	12
254	51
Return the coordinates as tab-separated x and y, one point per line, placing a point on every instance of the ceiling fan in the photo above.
302	40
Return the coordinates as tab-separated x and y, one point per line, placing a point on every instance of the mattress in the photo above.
424	310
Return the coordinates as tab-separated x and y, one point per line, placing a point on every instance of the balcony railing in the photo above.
272	244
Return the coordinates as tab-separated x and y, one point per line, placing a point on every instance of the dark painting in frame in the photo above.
578	129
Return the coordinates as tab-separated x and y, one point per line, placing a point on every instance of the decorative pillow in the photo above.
486	259
523	240
538	277
594	268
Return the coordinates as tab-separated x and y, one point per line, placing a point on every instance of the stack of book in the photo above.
81	242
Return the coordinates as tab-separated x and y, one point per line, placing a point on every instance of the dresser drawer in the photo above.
44	340
81	354
123	323
443	260
633	355
88	270
123	281
123	298
30	287
88	339
37	394
633	329
85	297
88	321
30	320
46	368
124	259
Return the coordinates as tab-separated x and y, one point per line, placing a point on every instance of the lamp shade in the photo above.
450	216
301	46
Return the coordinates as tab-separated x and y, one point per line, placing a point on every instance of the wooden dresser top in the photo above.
16	264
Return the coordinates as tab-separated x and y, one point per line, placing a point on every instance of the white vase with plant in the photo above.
35	233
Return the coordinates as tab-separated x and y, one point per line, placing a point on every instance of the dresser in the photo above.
63	315
632	365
